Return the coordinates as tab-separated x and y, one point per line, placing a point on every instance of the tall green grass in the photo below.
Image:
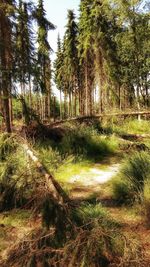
133	183
128	126
134	174
87	142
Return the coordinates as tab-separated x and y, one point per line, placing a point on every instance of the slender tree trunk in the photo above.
69	105
11	110
49	105
60	105
30	93
80	110
5	59
6	107
119	97
86	89
54	113
65	104
147	94
75	103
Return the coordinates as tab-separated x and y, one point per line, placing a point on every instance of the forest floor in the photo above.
91	183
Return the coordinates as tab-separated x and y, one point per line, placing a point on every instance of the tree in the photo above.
58	71
6	57
43	60
71	60
24	50
86	55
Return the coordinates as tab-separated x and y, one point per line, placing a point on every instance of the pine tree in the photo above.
86	55
58	71
6	57
71	59
43	60
107	62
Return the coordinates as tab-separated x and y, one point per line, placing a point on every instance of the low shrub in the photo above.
8	144
122	191
135	172
88	143
19	179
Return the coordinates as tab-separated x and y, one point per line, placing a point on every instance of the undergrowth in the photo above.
133	183
95	240
19	179
88	142
127	126
80	141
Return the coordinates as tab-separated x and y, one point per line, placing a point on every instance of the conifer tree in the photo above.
58	71
6	57
86	57
71	59
43	60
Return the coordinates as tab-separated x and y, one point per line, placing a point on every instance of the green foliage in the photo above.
15	218
17	109
134	176
122	191
133	127
88	143
100	239
127	126
50	157
8	144
90	213
18	178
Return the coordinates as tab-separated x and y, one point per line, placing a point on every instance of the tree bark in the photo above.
56	191
6	60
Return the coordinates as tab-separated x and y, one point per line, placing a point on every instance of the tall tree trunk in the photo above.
6	106
54	113
65	104
75	102
119	97
86	89
60	105
30	92
11	110
5	59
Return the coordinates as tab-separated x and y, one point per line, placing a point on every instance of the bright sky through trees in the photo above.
57	14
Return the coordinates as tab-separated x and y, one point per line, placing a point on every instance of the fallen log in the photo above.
55	190
134	137
102	115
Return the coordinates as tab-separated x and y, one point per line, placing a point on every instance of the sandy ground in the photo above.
91	181
95	176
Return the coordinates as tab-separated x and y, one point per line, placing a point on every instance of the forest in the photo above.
75	135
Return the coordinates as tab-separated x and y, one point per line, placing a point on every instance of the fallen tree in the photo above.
55	190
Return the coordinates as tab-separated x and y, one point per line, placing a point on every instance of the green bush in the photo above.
18	177
130	185
8	144
122	192
88	143
92	213
50	157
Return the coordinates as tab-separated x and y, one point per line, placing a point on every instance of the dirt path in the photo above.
90	181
